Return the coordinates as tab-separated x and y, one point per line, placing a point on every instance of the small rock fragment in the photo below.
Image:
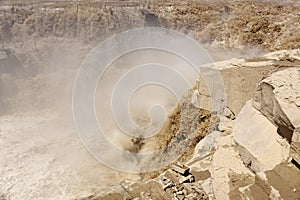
190	178
180	168
168	185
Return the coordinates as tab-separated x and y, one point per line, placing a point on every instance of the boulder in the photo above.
277	98
259	145
241	76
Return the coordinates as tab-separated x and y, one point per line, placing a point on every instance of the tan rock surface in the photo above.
276	97
260	146
241	76
41	156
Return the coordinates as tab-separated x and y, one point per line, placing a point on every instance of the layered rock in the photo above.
241	76
259	145
277	98
267	134
242	157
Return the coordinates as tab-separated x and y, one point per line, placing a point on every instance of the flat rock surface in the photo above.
260	145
